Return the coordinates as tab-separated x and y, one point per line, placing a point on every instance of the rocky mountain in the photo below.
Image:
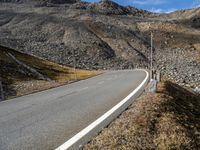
185	14
41	1
189	17
109	7
104	35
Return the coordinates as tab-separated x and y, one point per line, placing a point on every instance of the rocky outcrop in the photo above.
196	22
108	7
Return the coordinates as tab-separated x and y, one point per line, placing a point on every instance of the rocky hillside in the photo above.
109	7
190	17
104	35
41	1
185	14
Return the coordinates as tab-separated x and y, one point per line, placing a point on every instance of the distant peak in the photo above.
62	1
109	3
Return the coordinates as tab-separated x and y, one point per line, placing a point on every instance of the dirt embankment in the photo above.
167	119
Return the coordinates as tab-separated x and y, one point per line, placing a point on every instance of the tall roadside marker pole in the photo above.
1	91
151	50
75	76
151	56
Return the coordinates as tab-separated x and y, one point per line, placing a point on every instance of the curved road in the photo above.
47	119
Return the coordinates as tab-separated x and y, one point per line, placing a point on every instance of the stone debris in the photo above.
104	35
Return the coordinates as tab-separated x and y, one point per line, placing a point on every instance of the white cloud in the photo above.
195	4
170	10
148	2
156	10
162	10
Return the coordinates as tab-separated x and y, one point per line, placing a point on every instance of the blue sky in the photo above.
158	5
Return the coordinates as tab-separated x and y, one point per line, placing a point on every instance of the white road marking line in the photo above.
85	88
108	79
102	82
89	128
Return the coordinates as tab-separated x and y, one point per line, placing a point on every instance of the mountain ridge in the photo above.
43	1
101	38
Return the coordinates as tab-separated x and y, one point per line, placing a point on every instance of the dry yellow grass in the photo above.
17	81
52	70
166	120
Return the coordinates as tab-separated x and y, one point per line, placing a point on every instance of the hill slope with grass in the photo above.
23	74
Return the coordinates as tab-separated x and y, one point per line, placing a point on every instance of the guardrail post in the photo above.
158	76
155	78
153	86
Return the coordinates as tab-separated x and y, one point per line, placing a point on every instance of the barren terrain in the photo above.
104	35
41	42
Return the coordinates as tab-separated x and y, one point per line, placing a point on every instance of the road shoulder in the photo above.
167	119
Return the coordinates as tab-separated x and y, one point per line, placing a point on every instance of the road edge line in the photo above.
76	141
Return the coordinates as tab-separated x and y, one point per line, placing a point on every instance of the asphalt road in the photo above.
47	119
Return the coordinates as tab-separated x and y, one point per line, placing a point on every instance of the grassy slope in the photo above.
12	73
47	68
168	119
